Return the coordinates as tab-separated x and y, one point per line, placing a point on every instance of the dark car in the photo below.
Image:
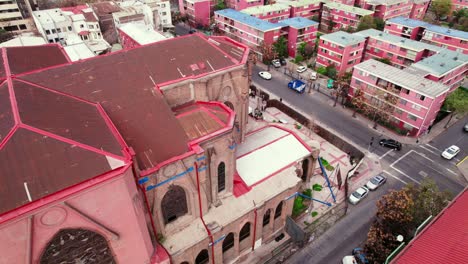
360	256
390	143
283	61
192	31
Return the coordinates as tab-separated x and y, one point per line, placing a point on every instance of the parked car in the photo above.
359	254
375	182
349	260
297	85
276	63
466	127
390	143
330	83
301	69
450	152
283	61
265	75
313	75
358	195
192	31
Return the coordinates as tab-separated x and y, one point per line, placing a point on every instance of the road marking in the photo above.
386	153
422	173
406	175
432	147
428	150
393	176
451	171
402	157
465	158
424	156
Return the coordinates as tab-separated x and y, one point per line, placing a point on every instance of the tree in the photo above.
441	8
379	23
456	102
358	101
281	47
268	53
384	60
220	5
306	50
460	19
331	71
366	22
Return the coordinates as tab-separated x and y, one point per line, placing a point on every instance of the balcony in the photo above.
388	86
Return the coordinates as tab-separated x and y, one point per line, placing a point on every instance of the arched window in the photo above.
221	177
202	257
77	246
279	210
245	232
305	169
174	204
266	217
230	105
228	242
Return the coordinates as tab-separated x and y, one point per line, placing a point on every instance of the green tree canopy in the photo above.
441	8
457	101
306	50
366	22
281	47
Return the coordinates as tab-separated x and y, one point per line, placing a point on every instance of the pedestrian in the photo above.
281	99
417	141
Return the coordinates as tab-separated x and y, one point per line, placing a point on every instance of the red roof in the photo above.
26	59
83	33
444	240
75	9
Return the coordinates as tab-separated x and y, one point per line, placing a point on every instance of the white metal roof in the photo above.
141	33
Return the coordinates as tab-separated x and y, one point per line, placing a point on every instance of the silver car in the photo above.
358	195
375	182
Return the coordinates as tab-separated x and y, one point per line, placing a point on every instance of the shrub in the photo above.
298	206
314	214
322	70
317	187
327	165
298	58
307	192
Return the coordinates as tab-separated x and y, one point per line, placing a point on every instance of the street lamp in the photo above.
400	239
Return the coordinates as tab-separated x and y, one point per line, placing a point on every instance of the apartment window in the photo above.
416	107
350	62
91	26
412	117
389	54
164	13
421	97
403	101
392	46
405	91
47	32
398	111
22	26
376	50
59	30
69	28
81	26
53	31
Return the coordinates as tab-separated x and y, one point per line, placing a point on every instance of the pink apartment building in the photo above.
342	49
405	27
386	9
345	2
247	29
197	11
336	16
303	8
448	38
419	9
418	99
271	13
459	4
298	30
242	4
447	67
400	51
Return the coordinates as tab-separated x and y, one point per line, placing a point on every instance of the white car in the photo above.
313	75
450	152
265	75
276	63
349	260
301	69
375	182
358	195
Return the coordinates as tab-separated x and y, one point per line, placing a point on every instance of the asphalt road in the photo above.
410	165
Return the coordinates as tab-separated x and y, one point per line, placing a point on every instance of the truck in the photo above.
297	85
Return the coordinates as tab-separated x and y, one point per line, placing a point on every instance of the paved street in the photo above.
410	165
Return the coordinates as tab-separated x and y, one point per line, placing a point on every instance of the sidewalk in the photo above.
436	129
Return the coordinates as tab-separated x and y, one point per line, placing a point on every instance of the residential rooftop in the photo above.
24	41
403	78
385	2
350	9
143	34
50	16
396	40
298	22
248	20
258	10
343	38
442	62
407	22
300	3
448	31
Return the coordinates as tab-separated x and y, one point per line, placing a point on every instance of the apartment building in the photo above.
157	12
459	4
341	49
197	11
304	8
345	2
134	35
411	101
446	66
53	25
298	30
336	16
243	4
451	39
247	29
271	13
386	9
400	51
419	9
15	15
405	27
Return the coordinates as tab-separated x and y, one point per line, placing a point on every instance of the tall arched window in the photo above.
221	177
279	210
245	232
305	169
266	217
174	204
228	242
202	257
77	246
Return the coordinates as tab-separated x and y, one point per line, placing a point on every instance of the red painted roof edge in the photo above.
237	44
14	106
8	136
410	244
61	195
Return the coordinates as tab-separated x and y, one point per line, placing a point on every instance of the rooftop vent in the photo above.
455	58
342	37
380	34
442	64
423	85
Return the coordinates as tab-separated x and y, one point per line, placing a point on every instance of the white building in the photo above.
52	24
157	13
14	16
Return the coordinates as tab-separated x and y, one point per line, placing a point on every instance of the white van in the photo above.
349	260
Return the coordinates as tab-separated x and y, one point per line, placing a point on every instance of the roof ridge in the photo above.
13	102
72	142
